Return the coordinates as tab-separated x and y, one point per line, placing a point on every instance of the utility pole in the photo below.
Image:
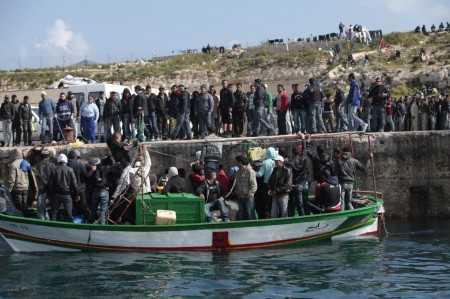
63	63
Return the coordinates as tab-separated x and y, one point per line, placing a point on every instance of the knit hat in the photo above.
173	171
94	161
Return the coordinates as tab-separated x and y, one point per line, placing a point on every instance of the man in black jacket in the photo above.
7	115
298	109
226	107
379	95
97	188
280	184
151	118
314	98
81	172
300	175
16	125
339	108
62	185
111	115
175	183
239	108
161	113
183	110
25	116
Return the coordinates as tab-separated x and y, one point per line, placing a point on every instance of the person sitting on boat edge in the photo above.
211	192
244	188
280	184
62	188
175	183
327	193
347	166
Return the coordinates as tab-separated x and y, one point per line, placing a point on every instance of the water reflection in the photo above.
408	264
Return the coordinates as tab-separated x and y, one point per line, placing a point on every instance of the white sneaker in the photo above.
365	126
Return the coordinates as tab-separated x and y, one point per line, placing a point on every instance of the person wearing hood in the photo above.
62	186
280	185
18	180
347	167
263	203
175	183
7	116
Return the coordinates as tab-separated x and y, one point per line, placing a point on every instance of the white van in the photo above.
83	92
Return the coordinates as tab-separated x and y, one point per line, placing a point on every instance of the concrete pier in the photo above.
412	169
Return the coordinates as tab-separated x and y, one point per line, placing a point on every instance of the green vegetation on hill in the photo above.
235	66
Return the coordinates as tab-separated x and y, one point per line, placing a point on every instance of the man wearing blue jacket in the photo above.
353	104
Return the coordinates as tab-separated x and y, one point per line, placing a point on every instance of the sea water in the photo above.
413	262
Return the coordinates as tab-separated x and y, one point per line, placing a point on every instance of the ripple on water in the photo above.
407	266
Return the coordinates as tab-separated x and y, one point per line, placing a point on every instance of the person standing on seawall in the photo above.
353	104
7	115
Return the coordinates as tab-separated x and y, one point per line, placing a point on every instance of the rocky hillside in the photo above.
273	64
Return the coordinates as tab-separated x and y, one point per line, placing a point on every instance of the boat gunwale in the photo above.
371	208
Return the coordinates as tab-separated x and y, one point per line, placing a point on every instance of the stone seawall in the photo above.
412	169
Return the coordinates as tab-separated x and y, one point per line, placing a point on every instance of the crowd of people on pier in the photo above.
230	112
66	187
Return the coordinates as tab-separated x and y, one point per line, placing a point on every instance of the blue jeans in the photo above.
341	120
246	208
299	116
354	121
204	122
89	128
347	189
153	125
7	132
127	123
260	121
99	204
315	118
279	205
183	126
47	124
218	204
300	193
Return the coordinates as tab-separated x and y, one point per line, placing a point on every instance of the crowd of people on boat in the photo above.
231	112
66	187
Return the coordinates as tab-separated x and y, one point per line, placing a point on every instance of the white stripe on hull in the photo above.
176	239
26	246
368	231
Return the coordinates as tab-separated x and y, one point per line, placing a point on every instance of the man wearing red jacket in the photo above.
282	108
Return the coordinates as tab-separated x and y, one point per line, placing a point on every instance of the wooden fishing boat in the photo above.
33	235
